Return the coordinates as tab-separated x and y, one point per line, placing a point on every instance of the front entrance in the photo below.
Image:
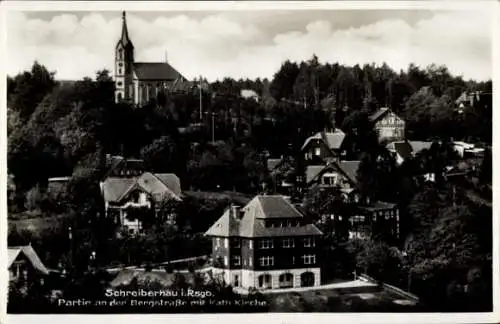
286	280
265	281
236	281
307	279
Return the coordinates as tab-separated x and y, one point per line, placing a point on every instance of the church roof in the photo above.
156	71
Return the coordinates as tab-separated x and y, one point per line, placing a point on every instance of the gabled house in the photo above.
341	175
378	219
388	125
24	264
404	150
323	147
129	201
266	244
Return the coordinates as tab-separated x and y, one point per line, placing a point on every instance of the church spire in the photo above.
125	40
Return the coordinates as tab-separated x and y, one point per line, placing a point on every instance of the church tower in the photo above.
124	63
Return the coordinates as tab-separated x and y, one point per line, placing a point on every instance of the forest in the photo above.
61	128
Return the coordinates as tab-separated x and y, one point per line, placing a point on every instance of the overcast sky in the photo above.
251	44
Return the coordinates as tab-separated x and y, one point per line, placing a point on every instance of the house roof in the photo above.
248	93
404	149
115	162
350	169
14	252
172	181
332	139
313	171
156	71
250	223
273	163
379	114
114	189
379	205
418	146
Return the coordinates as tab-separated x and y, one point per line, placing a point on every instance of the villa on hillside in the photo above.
128	201
388	125
266	244
323	147
339	175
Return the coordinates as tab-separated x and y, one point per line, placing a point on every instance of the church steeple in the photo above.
124	61
125	39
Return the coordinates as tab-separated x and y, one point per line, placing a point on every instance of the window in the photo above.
217	242
309	242
236	281
250	244
266	261
236	260
266	244
317	151
309	259
120	64
120	71
226	261
293	260
236	243
119	96
288	243
250	261
119	83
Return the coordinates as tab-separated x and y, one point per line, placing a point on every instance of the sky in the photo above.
251	44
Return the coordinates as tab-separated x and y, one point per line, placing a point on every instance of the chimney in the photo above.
166	57
235	211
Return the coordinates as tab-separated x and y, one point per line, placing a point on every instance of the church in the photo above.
139	82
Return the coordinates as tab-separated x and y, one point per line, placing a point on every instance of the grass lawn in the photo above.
333	300
38	224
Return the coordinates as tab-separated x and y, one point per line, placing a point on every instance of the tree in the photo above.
28	89
377	259
284	80
159	155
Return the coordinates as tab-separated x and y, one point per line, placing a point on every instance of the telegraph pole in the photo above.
213	127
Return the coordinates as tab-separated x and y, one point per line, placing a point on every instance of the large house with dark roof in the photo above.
266	244
128	200
139	82
388	125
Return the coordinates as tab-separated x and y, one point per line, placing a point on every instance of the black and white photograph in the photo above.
249	158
